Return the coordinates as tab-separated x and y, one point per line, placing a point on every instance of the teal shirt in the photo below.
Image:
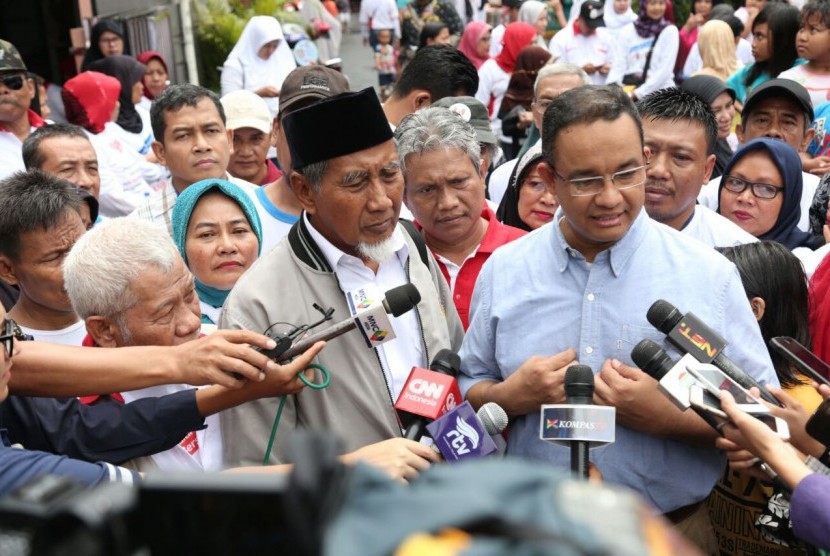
737	80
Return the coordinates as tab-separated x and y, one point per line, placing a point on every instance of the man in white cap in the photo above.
248	117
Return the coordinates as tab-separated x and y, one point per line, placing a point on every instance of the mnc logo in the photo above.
362	299
379	335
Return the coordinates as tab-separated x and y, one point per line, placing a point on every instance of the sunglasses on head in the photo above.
13	82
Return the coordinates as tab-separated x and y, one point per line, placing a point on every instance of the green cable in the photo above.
314	385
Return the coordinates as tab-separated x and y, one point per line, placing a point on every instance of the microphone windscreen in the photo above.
651	358
663	316
493	417
579	382
446	361
401	299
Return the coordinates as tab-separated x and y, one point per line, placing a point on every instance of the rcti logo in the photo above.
379	335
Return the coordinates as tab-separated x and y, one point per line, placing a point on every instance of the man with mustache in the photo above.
680	131
17	120
348	180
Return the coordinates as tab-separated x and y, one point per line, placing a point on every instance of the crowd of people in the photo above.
541	193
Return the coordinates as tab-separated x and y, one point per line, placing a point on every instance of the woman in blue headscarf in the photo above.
761	192
217	230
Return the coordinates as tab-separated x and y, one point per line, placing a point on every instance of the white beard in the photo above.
379	252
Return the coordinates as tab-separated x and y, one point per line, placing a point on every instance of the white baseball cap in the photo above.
246	109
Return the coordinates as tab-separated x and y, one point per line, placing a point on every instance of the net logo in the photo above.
697	340
463	438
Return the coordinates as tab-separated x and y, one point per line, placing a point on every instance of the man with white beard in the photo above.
347	177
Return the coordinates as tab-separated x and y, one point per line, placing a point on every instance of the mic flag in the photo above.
459	435
427	394
565	423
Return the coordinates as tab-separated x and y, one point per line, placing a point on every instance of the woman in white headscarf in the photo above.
259	62
618	14
535	13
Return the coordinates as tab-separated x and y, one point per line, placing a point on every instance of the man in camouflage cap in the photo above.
16	119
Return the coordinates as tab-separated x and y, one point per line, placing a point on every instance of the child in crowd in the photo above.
813	44
385	62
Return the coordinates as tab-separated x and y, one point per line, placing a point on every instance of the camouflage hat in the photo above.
10	59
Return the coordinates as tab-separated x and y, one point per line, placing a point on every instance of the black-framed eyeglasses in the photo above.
12	332
760	190
13	82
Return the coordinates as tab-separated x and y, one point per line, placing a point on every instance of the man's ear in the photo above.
7	272
739	133
710	165
103	331
230	140
419	99
808	137
158	150
304	192
545	171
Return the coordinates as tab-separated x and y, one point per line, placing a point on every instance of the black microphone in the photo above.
446	362
397	301
691	335
579	390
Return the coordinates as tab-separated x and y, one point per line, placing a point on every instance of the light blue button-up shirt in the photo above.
538	296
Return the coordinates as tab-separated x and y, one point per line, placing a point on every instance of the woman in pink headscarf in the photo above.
156	77
494	74
475	42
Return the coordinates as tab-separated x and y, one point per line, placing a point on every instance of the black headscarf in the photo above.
128	71
508	211
785	231
94	52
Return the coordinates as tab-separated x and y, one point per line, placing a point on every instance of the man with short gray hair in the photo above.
444	189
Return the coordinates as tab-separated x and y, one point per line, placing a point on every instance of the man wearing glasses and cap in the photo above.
17	120
578	290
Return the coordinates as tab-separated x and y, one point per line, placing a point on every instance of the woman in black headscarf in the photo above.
128	71
107	40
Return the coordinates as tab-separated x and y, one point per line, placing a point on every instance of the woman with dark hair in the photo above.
529	201
134	122
776	288
156	77
773	47
515	112
434	32
107	40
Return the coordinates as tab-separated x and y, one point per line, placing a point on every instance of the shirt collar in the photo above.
35	121
617	255
334	255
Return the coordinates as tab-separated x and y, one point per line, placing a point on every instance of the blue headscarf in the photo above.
183	210
785	230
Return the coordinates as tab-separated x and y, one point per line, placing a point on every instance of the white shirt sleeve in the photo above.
661	71
231	79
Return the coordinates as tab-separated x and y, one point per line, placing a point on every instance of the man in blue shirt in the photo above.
588	279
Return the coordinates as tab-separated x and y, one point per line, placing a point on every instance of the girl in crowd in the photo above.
776	288
535	13
721	99
773	48
717	50
133	122
259	62
475	42
107	40
646	51
91	101
515	112
218	233
701	12
529	202
761	192
618	14
494	74
156	77
434	32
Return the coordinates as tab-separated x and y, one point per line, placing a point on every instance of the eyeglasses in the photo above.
13	82
538	187
542	104
585	187
111	40
12	332
760	190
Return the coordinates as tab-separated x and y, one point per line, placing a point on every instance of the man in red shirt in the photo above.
441	159
249	118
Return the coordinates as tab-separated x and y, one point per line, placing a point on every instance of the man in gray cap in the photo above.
279	206
17	120
347	177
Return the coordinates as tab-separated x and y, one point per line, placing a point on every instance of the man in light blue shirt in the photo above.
579	288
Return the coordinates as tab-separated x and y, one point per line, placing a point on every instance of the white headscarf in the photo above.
256	72
530	11
613	20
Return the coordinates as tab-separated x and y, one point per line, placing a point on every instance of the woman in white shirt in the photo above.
650	34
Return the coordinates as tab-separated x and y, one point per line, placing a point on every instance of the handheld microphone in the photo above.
427	394
459	435
396	302
691	335
494	419
579	390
